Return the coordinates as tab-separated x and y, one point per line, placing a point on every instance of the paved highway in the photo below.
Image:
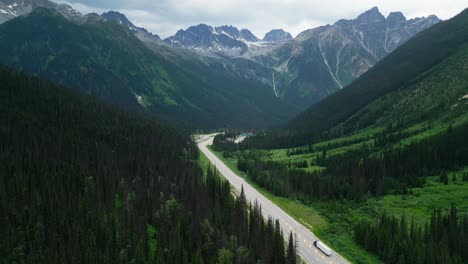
304	236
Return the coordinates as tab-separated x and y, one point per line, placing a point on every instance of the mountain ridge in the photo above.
141	33
226	40
323	60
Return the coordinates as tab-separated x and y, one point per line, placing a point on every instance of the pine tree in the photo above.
443	178
225	256
291	257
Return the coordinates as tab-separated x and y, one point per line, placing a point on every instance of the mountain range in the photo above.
299	72
319	61
227	41
106	60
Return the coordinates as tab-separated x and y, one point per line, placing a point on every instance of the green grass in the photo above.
420	203
333	222
203	162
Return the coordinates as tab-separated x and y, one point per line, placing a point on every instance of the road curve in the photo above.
304	236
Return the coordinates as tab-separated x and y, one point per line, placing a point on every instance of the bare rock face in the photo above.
325	59
141	33
227	41
224	40
277	35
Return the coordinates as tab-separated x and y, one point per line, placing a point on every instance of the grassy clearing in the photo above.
421	202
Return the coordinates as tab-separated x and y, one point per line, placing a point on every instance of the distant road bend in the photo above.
304	236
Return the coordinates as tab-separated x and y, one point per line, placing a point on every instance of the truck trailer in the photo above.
320	245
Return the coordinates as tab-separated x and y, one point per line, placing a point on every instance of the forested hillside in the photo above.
442	240
106	60
84	182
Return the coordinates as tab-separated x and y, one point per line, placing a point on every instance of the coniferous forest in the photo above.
442	240
84	182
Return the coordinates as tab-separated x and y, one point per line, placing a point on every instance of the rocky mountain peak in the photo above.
10	9
277	35
248	35
119	18
208	40
198	30
395	19
345	50
229	30
371	16
139	32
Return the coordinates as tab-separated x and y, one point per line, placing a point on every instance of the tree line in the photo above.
359	173
442	240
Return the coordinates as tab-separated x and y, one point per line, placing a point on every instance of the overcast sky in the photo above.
165	17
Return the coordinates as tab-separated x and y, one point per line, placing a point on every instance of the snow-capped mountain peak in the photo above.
225	40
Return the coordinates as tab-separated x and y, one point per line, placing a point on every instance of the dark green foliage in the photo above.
356	174
291	257
225	141
301	164
105	60
83	182
443	177
443	240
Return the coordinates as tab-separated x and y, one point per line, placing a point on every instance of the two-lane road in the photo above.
304	236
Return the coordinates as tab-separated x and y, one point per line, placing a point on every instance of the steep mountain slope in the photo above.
106	60
424	62
440	95
83	182
140	33
325	59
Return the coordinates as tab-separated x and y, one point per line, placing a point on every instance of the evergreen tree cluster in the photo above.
84	182
225	141
443	240
359	173
268	239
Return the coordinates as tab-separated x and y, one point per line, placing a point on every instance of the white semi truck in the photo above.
323	248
